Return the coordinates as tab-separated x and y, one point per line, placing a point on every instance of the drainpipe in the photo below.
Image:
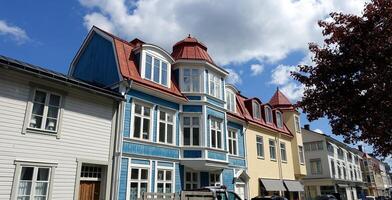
246	160
279	162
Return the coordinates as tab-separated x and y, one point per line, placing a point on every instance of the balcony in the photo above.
203	158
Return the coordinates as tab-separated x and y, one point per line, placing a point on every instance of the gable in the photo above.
96	63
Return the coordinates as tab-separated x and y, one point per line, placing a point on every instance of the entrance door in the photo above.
89	190
240	190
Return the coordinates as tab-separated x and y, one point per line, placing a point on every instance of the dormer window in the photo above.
279	119
268	114
230	100
156	70
256	110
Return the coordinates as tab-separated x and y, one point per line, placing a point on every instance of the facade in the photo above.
333	167
56	135
175	133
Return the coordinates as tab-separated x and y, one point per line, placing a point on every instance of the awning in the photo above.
294	186
273	184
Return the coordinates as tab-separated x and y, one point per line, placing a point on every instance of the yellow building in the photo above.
274	148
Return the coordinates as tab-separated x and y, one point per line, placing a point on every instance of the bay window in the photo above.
138	182
216	133
191	80
164	181
230	101
191	131
215	86
233	141
156	70
166	127
141	121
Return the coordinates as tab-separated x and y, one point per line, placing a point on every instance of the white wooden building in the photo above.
56	135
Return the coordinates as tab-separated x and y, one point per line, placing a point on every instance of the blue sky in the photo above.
258	47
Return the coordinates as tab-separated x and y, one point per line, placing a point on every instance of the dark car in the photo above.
269	198
326	197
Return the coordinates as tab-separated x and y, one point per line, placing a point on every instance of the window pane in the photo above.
144	174
168	175
188	176
170	133
136	130
170	117
219	138
164	73
50	124
187	84
135	174
156	70
162	115
168	188
43	174
187	121
35	121
54	100
24	188
231	148
235	147
52	112
194	177
160	175
162	132
213	138
40	97
138	109
195	121
187	136
160	187
148	67
27	173
38	109
146	128
146	111
196	137
41	188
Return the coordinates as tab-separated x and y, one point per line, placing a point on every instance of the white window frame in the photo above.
301	156
230	101
268	114
133	115
164	181
216	89
192	182
279	119
217	179
139	181
18	168
283	151
270	148
233	141
262	146
160	60
216	129
191	127
191	80
256	110
167	123
297	124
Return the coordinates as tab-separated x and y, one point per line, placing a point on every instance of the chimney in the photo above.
360	148
307	127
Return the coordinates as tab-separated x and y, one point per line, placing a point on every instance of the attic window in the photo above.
268	114
279	119
256	110
156	70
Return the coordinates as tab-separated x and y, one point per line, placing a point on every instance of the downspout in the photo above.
279	162
246	159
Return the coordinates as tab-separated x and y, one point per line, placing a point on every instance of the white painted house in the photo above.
56	135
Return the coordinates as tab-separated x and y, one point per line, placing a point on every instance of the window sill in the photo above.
42	132
273	160
261	158
284	161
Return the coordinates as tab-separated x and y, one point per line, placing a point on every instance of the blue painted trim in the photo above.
192	108
215	102
192	153
215	113
177	129
194	97
228	179
149	150
123	179
153	99
140	162
216	155
127	117
153	176
178	178
155	124
165	164
237	162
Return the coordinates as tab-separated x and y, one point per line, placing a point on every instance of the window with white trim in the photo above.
268	114
45	111
279	119
230	101
156	70
141	121
33	182
191	131
216	133
301	155
164	181
215	86
260	146
283	153
233	142
166	127
191	180
272	149
215	179
138	182
315	166
191	80
297	124
256	110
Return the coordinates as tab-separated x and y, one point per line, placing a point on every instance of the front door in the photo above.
240	190
89	190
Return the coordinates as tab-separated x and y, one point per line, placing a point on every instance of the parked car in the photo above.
326	197
220	193
370	198
269	198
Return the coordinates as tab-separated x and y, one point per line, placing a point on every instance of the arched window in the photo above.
279	119
256	110
268	114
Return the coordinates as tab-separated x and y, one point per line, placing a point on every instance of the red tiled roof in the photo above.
280	100
190	48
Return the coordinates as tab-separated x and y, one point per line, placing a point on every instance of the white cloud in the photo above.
16	33
256	69
281	76
235	31
233	78
318	131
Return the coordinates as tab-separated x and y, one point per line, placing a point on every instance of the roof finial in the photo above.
277	88
189	35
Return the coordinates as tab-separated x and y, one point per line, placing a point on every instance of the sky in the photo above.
258	42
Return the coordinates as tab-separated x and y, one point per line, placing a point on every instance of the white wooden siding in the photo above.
85	134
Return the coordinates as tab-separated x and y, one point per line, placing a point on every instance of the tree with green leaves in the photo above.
350	82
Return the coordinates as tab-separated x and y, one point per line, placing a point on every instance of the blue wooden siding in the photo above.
215	102
216	155
155	124
192	154
165	164
152	99
97	63
153	176
178	178
228	178
192	108
140	162
204	179
240	136
149	150
237	162
123	179
127	117
215	113
177	129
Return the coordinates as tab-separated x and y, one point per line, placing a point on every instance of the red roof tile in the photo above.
280	100
190	48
